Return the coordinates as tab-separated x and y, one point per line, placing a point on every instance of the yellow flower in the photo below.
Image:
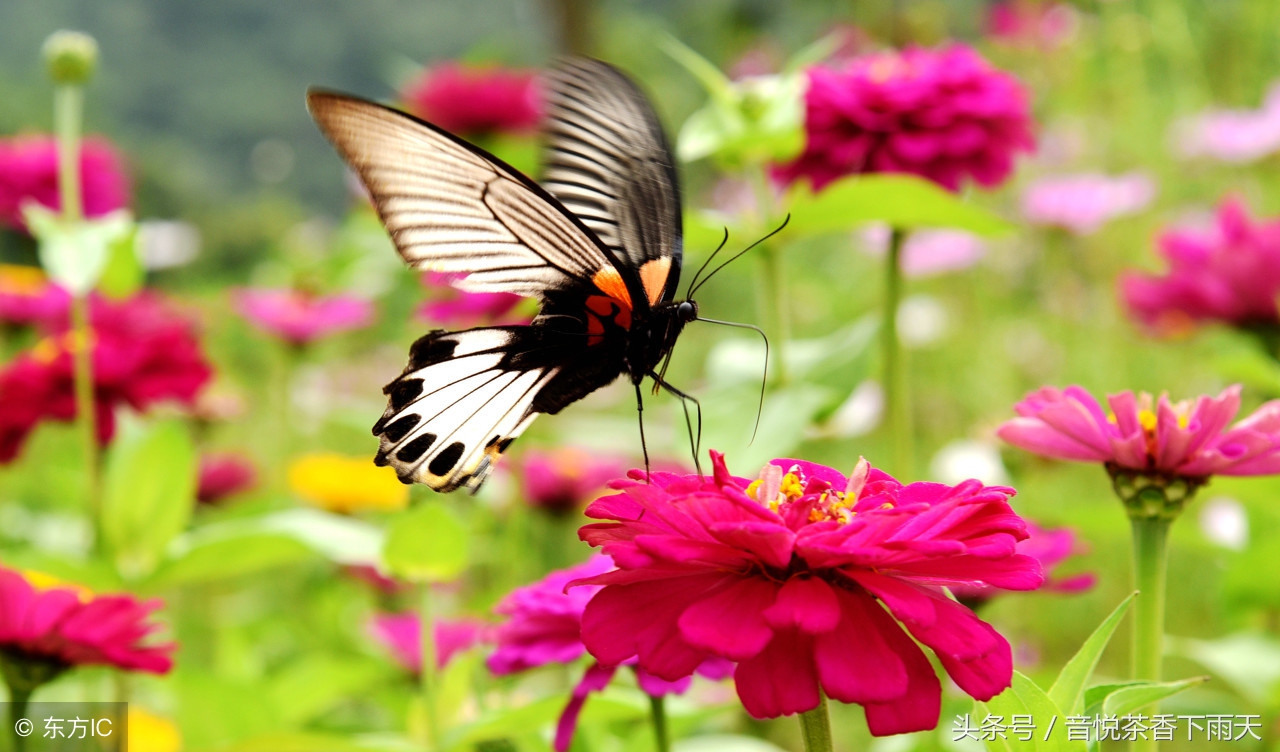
151	733
345	484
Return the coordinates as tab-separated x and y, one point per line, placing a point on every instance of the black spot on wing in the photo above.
402	392
431	348
442	463
401	427
413	451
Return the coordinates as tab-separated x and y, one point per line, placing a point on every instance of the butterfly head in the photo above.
687	310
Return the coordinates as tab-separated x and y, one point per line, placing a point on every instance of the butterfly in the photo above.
598	243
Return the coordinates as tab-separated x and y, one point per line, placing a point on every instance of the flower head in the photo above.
927	252
1229	273
1020	23
562	480
945	114
342	484
1082	204
475	101
51	630
1050	548
401	634
459	309
821	573
142	354
29	172
1233	136
300	318
224	474
28	298
1189	439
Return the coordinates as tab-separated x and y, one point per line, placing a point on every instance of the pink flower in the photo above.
475	101
459	310
1083	203
928	253
1050	548
799	577
1031	23
1228	273
62	627
143	354
946	115
1233	136
401	634
1153	436
544	624
27	298
29	172
300	318
224	474
562	480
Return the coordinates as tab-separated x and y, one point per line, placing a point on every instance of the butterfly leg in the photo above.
685	399
644	447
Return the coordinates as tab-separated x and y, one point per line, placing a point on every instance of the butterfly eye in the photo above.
687	310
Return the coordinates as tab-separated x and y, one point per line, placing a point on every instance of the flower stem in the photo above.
429	677
815	727
896	399
658	712
19	699
1150	566
68	103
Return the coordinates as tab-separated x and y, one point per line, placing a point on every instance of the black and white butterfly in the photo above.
598	243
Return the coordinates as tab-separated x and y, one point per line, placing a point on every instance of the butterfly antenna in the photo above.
693	280
764	376
736	256
685	399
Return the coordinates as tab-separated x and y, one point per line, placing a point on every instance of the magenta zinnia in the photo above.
475	101
945	114
29	173
807	579
299	317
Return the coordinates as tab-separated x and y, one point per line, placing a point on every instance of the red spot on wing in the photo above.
610	283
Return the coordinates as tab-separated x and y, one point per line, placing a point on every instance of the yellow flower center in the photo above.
830	505
42	581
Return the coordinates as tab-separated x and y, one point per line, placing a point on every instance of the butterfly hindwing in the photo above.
465	396
607	160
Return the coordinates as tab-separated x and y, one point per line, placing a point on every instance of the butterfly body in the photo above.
598	243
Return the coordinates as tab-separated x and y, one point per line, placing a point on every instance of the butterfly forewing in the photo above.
606	159
451	208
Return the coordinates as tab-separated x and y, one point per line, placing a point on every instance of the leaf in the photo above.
724	743
123	274
339	538
215	559
1250	663
1067	691
1025	698
1126	699
903	201
426	543
148	494
313	684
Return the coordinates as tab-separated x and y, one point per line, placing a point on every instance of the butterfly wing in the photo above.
465	396
607	160
451	207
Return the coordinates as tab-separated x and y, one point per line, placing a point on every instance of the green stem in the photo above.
19	700
1150	567
68	101
658	712
896	398
815	727
429	676
81	345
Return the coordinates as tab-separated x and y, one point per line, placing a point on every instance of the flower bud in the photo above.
71	56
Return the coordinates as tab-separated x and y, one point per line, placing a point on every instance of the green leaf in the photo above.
426	543
209	560
716	83
903	201
148	493
1025	698
1126	699
724	743
339	538
313	684
75	254
1067	691
123	275
1249	662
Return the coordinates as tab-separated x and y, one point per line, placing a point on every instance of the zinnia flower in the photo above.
1082	204
142	354
927	253
544	625
224	474
457	309
1143	439
342	484
28	298
475	101
807	579
300	318
1232	136
563	480
1050	548
44	632
1229	273
401	634
946	115
1031	23
29	172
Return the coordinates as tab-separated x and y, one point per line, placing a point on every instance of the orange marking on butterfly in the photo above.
653	275
610	283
